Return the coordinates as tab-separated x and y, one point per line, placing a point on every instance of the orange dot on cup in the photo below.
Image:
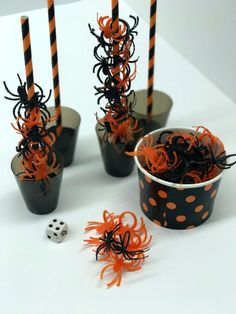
162	194
171	205
205	215
190	199
145	208
208	187
213	194
199	208
152	201
148	179
157	222
141	184
180	218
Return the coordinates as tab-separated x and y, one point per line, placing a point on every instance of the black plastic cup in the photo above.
41	197
172	205
116	162
162	104
66	141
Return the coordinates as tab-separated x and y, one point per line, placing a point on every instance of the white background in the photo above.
203	31
189	271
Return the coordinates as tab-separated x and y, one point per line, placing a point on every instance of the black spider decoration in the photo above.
111	93
24	105
106	46
34	138
104	126
121	247
108	241
220	160
105	64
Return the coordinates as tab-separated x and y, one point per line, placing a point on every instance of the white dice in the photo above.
56	230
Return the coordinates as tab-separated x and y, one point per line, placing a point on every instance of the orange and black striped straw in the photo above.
115	26
55	70
151	59
27	56
115	14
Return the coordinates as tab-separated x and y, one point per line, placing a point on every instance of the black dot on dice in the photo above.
57	228
50	226
61	223
49	237
55	234
54	220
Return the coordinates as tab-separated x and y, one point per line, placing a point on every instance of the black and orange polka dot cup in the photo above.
172	205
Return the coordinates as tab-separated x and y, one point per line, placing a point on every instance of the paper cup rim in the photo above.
168	183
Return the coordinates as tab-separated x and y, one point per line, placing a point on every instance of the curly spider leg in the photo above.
9	92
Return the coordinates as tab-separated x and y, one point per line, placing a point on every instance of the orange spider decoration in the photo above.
119	129
106	26
208	138
118	265
154	156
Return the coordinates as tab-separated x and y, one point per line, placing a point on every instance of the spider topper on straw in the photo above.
35	148
114	54
122	246
38	161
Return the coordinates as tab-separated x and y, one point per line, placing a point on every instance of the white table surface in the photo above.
189	271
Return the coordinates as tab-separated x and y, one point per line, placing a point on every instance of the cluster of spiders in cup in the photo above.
182	156
120	244
38	161
115	70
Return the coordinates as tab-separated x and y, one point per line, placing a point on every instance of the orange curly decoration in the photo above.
120	242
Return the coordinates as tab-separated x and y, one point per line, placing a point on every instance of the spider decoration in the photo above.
24	105
122	128
35	139
37	158
108	241
111	93
186	157
120	245
118	266
114	72
117	97
102	42
40	168
131	32
123	132
104	125
108	33
106	64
